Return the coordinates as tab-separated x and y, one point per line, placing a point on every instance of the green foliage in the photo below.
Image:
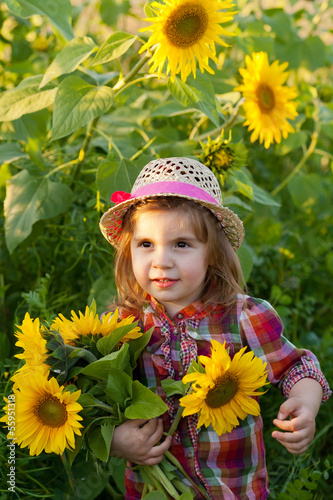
80	116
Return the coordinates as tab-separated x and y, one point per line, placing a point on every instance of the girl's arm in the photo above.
301	407
136	441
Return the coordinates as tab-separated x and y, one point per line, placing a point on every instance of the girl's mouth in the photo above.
164	282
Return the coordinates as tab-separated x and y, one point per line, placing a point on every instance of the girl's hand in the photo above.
136	441
300	429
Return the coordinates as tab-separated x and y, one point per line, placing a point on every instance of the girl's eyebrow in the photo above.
179	237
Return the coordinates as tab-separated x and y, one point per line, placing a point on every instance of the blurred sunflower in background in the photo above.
46	415
223	393
268	102
184	32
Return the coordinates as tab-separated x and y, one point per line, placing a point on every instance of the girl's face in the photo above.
168	260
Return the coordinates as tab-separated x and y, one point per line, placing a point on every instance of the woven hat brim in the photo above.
111	221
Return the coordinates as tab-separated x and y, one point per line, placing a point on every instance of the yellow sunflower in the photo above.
46	415
268	102
185	31
33	344
90	323
223	394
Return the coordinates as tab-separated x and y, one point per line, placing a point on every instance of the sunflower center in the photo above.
266	99
224	390
186	25
51	412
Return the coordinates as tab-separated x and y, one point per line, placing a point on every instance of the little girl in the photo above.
177	270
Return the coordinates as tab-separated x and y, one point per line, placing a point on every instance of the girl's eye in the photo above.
182	244
145	244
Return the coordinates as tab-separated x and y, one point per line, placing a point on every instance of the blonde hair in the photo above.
224	279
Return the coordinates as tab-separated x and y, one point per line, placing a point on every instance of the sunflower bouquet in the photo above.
76	385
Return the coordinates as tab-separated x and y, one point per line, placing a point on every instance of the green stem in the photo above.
176	421
68	472
84	149
300	164
164	481
64	165
226	126
37	482
175	462
123	81
148	471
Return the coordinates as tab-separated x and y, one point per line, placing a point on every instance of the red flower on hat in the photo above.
120	196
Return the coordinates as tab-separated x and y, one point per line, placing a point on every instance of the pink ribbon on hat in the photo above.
174	187
120	196
167	187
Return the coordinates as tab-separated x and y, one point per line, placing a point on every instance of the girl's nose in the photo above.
162	259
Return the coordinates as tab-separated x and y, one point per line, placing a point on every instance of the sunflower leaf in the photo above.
119	387
100	369
136	346
196	366
172	387
110	342
115	46
145	403
197	93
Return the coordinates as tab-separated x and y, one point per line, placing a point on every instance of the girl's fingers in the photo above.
285	425
157	433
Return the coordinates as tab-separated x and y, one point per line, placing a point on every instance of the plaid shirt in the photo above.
232	465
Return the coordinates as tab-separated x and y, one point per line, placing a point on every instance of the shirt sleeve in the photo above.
261	329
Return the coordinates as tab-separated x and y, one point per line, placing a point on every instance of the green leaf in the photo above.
30	199
111	10
145	403
197	93
244	189
97	443
106	344
76	104
172	387
136	346
305	190
169	108
100	369
115	46
10	152
58	12
87	400
246	259
313	52
113	175
69	58
155	495
119	387
196	366
293	141
148	9
25	98
107	434
249	189
71	454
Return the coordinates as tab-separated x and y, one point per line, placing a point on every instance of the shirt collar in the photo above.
196	310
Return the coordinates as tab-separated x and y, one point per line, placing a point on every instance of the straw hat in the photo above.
181	177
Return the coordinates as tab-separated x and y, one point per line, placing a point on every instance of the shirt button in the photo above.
181	374
189	454
180	315
176	331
